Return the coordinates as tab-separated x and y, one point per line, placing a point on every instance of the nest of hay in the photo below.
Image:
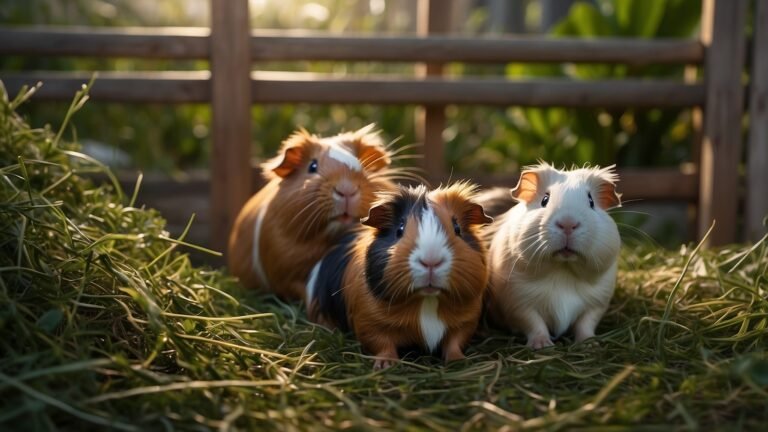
106	323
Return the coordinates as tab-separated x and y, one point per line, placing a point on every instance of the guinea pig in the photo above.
318	188
553	257
413	276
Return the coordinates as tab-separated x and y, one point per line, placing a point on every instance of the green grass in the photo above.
105	322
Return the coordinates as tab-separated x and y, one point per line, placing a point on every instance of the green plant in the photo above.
516	136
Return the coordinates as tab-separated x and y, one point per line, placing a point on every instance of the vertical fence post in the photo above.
722	34
434	17
757	159
231	115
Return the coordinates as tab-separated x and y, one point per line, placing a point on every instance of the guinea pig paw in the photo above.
540	341
589	343
381	364
452	356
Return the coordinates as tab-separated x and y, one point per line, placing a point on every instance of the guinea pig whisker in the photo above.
401	149
407	157
403	178
525	240
368	161
539	257
399	175
390	172
312	219
398	170
644	235
308	206
519	256
618	211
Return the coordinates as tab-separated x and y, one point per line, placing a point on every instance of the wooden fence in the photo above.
231	87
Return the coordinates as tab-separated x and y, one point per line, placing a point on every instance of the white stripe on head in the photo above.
432	327
313	281
431	246
340	154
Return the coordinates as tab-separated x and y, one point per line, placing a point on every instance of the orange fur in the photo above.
299	224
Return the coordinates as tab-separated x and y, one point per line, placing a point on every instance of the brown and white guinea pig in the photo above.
415	275
553	257
318	189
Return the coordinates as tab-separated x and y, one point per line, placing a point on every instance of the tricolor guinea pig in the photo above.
553	257
414	275
318	189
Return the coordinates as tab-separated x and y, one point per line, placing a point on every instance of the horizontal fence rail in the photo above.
445	49
131	87
194	43
179	43
670	184
292	87
443	91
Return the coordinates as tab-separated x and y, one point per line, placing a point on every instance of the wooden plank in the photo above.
231	115
192	43
157	42
432	18
652	184
270	87
300	88
722	32
131	87
178	199
295	46
757	153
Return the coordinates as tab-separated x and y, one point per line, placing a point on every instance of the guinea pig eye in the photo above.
456	227
591	201
545	200
400	229
313	166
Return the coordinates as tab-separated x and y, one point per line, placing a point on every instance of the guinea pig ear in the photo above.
284	164
378	216
370	151
290	157
527	186
607	195
475	215
606	188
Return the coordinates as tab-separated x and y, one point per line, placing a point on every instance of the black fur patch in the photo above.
328	288
471	240
407	201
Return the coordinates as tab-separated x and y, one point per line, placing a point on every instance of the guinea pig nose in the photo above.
568	225
345	190
432	263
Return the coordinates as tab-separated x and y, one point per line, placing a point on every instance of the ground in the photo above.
106	323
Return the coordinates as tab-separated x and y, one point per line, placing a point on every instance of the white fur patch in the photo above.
342	155
432	328
257	268
313	281
431	246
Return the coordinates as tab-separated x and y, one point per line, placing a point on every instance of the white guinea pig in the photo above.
554	256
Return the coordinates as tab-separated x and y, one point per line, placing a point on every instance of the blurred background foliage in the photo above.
175	139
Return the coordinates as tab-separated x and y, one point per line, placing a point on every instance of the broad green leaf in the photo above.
589	22
681	19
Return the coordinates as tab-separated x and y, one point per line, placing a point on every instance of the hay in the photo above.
106	323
